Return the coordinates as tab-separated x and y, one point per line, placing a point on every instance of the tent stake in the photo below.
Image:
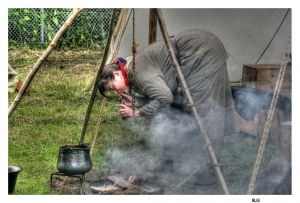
211	153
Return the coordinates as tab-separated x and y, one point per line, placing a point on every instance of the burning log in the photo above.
119	181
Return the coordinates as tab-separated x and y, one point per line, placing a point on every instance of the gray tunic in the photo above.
203	64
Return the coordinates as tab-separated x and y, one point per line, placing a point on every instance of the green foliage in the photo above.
37	27
26	24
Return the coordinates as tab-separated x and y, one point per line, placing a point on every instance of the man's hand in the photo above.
127	111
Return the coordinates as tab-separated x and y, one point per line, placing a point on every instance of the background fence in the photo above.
36	27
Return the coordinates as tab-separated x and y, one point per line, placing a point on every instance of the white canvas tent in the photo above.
249	35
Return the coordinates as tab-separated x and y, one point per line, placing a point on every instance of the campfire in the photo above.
105	183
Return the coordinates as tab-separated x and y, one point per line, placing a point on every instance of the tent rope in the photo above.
98	124
273	36
270	115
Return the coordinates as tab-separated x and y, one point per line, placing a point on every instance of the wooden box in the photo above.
264	77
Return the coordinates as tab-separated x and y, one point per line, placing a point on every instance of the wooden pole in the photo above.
180	76
152	26
41	60
95	88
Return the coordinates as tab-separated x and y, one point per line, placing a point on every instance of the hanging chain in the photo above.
132	89
132	94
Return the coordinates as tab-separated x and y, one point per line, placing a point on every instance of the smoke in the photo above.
173	135
133	162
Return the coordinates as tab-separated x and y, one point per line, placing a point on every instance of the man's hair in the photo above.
107	76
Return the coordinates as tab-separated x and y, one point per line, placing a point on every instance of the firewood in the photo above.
119	181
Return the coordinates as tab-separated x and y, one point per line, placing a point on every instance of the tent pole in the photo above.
152	26
103	62
211	154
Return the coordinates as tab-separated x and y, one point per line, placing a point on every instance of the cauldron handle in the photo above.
81	143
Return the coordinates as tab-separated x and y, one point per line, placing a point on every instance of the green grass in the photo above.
53	114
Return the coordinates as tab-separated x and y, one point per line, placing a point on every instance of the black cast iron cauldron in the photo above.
74	159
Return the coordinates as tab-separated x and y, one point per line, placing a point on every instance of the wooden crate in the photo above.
264	77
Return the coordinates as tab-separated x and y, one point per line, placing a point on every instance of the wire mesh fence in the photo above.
38	26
